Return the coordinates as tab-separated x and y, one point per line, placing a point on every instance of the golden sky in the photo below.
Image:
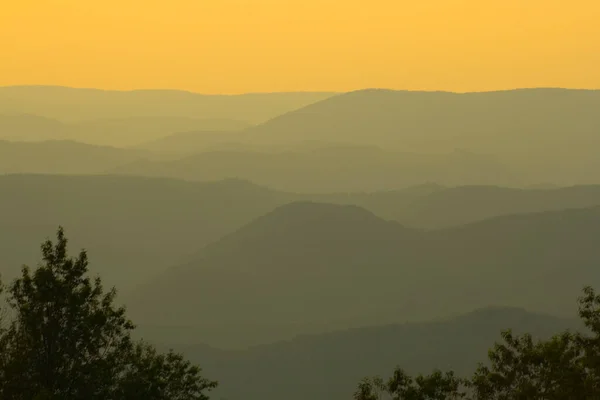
235	46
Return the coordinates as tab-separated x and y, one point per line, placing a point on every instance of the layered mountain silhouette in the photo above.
516	137
461	205
330	169
71	104
192	142
122	132
132	227
316	267
328	366
136	227
27	127
63	157
547	134
438	121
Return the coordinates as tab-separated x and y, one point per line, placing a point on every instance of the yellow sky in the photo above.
234	46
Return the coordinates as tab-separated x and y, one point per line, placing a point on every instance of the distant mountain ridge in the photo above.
328	366
78	104
63	157
287	266
138	227
331	168
548	134
121	132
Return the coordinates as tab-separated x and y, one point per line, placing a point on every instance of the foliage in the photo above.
401	386
564	367
69	341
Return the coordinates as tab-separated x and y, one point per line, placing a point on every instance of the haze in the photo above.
296	196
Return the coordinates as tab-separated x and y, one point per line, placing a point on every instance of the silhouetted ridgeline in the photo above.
328	366
126	131
315	267
548	135
137	227
70	104
294	243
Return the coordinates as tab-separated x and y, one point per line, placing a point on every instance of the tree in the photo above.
401	386
151	375
523	369
564	367
589	312
567	366
69	341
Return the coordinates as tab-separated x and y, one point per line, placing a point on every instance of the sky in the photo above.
240	46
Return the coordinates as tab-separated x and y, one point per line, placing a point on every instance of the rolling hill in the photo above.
309	267
74	105
330	169
27	128
121	132
63	157
136	227
461	205
329	366
133	227
192	142
547	134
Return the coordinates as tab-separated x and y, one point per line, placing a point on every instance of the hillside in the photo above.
328	366
63	157
132	227
548	134
121	132
461	205
192	142
300	254
27	127
72	105
330	169
132	131
309	267
148	224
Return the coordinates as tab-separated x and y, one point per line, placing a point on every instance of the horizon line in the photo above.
295	91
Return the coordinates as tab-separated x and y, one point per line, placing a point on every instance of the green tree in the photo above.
564	367
521	368
401	386
69	341
589	311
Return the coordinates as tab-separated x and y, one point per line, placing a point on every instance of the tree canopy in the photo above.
564	367
65	339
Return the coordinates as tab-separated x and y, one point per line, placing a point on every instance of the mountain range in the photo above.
329	366
329	169
78	104
509	138
311	267
135	228
120	132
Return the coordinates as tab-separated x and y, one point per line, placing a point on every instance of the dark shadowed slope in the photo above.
331	169
550	134
132	227
310	267
274	273
70	104
63	157
328	366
